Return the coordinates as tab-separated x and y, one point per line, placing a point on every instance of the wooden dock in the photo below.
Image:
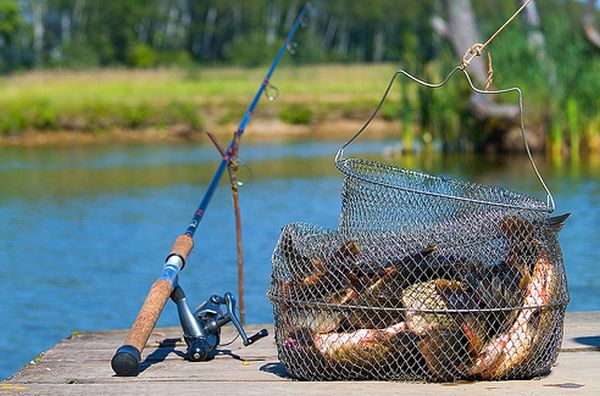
80	365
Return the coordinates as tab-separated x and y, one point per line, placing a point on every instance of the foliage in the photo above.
82	34
296	114
47	112
250	50
11	25
140	55
75	55
233	31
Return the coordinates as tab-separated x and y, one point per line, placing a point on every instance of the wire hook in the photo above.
250	175
291	47
271	92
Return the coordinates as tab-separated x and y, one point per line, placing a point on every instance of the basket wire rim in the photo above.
341	165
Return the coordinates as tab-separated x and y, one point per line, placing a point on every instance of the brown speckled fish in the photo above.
507	350
449	341
426	300
364	347
381	290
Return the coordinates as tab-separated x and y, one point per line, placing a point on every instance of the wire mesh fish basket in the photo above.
426	278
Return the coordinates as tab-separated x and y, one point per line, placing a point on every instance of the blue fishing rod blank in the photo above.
127	358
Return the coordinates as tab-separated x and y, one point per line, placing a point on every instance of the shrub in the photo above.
44	116
178	112
141	55
75	55
135	116
12	120
296	114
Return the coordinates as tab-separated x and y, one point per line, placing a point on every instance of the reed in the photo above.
574	128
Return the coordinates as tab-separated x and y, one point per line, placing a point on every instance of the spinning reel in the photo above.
202	328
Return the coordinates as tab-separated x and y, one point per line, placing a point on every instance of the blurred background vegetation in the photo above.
201	60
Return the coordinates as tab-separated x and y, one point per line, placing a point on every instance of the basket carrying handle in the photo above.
340	154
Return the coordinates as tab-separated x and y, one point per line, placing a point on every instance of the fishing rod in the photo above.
127	358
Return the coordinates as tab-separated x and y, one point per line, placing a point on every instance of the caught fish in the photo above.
448	353
522	236
505	285
315	320
500	288
320	277
507	350
515	227
365	347
367	353
450	337
380	290
299	265
333	270
427	304
326	281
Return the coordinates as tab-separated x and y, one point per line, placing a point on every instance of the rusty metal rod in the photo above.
232	169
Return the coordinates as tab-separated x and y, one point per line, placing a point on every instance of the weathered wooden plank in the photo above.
106	338
575	373
582	332
170	370
80	364
73	361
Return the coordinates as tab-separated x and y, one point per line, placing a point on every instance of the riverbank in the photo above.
122	105
170	103
80	365
260	130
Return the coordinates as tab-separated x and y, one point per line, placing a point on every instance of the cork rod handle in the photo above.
127	358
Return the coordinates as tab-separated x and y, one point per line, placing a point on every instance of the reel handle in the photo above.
231	316
253	338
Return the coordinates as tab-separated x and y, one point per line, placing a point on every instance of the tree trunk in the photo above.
65	27
462	33
209	28
291	15
344	40
171	25
237	17
332	25
38	11
379	45
142	30
272	20
461	29
537	41
588	20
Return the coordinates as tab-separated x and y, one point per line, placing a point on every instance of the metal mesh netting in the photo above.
426	278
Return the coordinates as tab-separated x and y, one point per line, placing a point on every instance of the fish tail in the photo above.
556	223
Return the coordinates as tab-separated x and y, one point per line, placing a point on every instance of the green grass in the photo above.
216	97
136	99
122	85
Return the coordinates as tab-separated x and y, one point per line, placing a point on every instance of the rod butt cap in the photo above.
126	360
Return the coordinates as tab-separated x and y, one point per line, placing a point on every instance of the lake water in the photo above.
84	230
